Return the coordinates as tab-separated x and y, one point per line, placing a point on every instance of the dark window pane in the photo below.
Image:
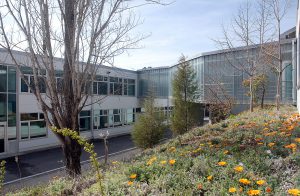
32	83
11	80
29	116
85	113
26	70
38	129
59	84
2	107
111	88
42	84
11	105
131	90
125	89
95	88
118	89
42	116
24	87
3	78
102	88
103	122
85	124
131	81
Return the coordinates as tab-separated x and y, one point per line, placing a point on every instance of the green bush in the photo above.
149	128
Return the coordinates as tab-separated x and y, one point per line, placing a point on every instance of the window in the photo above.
100	86
30	80
3	78
115	86
85	120
33	125
28	76
130	117
129	87
117	117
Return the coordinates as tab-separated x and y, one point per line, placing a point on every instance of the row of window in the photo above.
33	125
107	118
101	86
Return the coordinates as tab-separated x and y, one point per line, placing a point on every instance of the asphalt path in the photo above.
43	161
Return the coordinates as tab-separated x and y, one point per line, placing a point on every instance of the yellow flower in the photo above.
163	162
232	190
254	192
172	149
245	181
129	183
297	140
238	168
271	144
172	161
226	152
209	178
294	192
222	163
132	176
260	182
260	143
114	162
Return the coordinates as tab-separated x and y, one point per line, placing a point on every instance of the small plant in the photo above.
149	128
89	148
104	137
2	174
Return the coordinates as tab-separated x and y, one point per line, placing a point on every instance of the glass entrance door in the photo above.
2	136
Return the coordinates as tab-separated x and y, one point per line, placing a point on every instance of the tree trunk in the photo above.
72	152
262	98
278	91
251	94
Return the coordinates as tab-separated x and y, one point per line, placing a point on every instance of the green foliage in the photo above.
149	128
2	174
185	93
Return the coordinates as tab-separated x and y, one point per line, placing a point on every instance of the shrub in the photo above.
149	128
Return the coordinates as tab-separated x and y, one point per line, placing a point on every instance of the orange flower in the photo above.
209	178
244	181
271	144
260	182
129	183
253	192
232	190
132	176
222	163
172	161
268	190
291	146
238	168
294	192
297	140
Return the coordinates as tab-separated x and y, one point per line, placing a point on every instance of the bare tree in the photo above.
240	39
85	34
278	9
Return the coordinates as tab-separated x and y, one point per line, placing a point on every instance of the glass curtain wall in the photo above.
8	99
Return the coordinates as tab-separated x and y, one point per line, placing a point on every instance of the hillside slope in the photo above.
249	154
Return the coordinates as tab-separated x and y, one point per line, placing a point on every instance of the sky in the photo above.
185	27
